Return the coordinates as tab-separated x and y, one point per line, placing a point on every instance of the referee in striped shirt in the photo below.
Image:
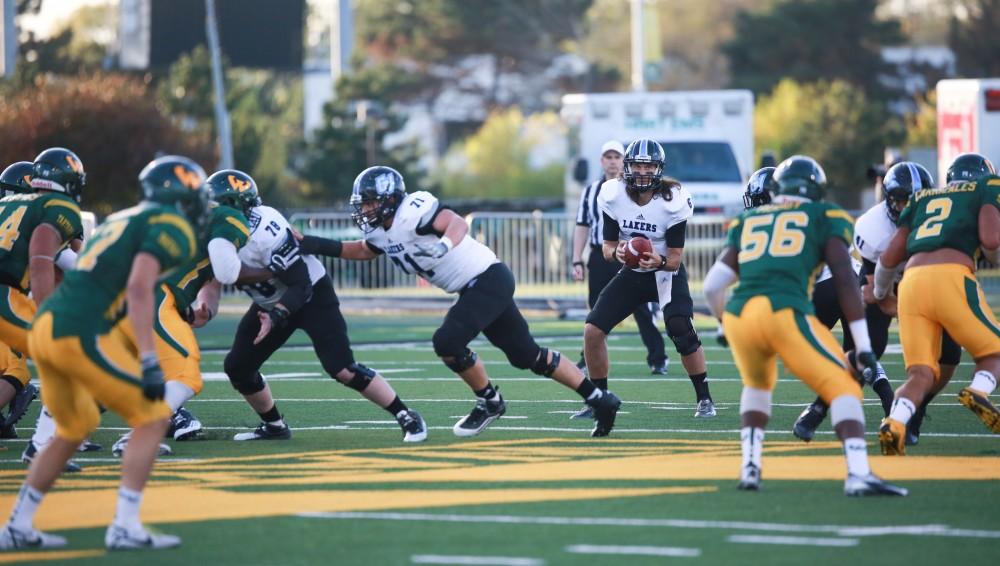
589	230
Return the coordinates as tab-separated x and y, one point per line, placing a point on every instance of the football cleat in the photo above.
30	451
19	404
484	413
8	432
12	537
706	409
121	538
582	363
184	425
660	368
265	431
805	426
587	412
858	486
979	403
605	410
892	436
912	438
88	446
413	425
749	478
118	448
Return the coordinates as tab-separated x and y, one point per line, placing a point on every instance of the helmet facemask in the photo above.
645	181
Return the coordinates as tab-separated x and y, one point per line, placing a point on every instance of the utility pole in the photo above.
222	125
638	46
8	47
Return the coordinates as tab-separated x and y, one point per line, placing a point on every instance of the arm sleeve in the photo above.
315	245
675	235
225	260
612	231
170	240
299	286
583	211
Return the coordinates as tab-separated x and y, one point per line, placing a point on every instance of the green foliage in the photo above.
495	162
921	126
111	121
809	41
339	149
973	37
834	122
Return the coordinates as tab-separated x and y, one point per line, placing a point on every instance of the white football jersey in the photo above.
873	231
411	226
268	231
652	220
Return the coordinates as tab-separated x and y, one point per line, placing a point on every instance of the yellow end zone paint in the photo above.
39	555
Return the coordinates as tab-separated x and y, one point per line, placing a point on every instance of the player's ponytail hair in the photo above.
667	187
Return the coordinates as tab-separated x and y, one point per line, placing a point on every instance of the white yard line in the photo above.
796	541
840	530
677	551
475	560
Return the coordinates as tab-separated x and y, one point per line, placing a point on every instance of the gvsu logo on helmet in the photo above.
385	183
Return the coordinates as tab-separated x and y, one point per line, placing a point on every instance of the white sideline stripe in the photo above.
844	530
798	541
635	550
480	560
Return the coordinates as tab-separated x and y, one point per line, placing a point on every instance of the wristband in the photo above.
148	359
447	242
663	262
580	263
859	332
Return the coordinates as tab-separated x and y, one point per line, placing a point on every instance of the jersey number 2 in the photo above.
786	239
932	226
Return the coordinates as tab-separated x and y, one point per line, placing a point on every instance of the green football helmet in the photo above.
800	176
16	178
969	167
59	169
231	187
173	180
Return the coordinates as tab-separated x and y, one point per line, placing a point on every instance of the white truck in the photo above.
968	119
707	136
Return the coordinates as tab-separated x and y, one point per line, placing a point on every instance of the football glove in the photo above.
285	255
153	386
867	360
279	317
436	250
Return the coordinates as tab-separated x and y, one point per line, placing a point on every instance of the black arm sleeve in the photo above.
299	286
675	235
612	231
427	227
315	245
375	249
867	267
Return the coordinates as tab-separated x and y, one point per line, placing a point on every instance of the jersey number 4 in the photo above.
10	229
785	239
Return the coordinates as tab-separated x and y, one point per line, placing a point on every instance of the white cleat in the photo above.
749	478
706	409
121	538
118	448
413	425
858	486
13	538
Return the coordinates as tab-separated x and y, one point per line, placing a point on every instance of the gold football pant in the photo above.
17	311
759	336
78	372
14	364
947	297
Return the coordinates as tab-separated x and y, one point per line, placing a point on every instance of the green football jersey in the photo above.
19	216
948	217
781	251
227	223
91	297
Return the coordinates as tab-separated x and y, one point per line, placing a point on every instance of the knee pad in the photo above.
447	344
461	362
363	377
753	399
544	367
682	334
247	385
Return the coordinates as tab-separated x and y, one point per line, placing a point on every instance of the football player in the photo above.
641	202
179	309
84	358
772	250
15	387
942	232
421	236
293	293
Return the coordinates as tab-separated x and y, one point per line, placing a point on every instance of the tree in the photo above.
834	122
810	41
973	38
111	121
346	143
495	162
921	126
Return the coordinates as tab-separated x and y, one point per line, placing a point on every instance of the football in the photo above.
636	249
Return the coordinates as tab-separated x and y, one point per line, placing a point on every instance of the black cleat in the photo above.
30	451
89	446
484	413
184	425
805	426
265	431
413	425
605	410
8	432
658	369
19	404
